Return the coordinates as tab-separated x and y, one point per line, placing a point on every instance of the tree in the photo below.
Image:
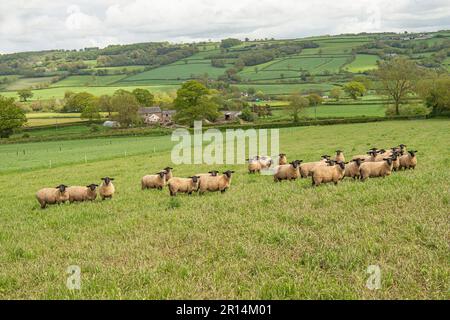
91	112
77	102
126	107
247	115
336	93
192	103
314	100
297	105
144	97
25	94
398	78
104	104
355	89
11	117
436	94
230	42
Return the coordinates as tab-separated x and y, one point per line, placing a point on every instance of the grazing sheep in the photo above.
217	183
183	185
402	147
339	156
265	162
408	160
282	159
77	193
395	161
204	176
376	169
154	181
56	195
107	188
352	169
332	173
289	171
307	168
169	174
254	166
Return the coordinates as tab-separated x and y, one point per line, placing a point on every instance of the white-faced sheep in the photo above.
216	183
154	181
183	185
376	169
352	168
56	195
80	193
408	160
106	189
289	171
339	156
282	159
265	162
307	168
325	174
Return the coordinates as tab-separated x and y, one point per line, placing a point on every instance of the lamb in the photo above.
154	181
254	166
325	174
409	160
376	169
169	174
339	156
352	169
77	193
289	171
56	195
107	188
282	159
307	167
184	185
217	183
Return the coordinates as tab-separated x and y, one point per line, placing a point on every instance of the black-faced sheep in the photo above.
154	181
106	189
216	183
289	171
80	194
56	195
332	173
408	160
183	185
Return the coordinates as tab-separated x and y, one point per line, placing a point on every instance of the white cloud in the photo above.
47	24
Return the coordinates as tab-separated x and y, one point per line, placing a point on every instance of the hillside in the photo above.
271	66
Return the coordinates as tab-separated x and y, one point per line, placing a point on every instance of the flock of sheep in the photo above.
376	163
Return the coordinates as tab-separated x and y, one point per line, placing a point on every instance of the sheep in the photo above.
55	195
79	193
395	161
184	185
265	162
282	159
332	173
154	181
217	183
339	156
307	167
289	171
369	156
352	169
409	160
254	166
204	176
169	174
107	188
402	147
376	169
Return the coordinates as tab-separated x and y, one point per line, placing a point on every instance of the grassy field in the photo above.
363	62
285	241
78	81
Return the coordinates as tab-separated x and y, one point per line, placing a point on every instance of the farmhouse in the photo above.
153	115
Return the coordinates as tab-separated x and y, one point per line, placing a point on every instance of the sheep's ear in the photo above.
102	179
111	179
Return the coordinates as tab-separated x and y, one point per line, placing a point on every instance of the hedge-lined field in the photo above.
259	240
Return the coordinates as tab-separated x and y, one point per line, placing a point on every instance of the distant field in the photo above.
287	88
58	92
285	241
26	83
36	122
177	71
78	81
363	62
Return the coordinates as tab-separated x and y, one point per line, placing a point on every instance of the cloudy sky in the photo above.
70	24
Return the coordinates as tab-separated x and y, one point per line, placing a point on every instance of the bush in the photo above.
409	110
247	115
94	128
25	136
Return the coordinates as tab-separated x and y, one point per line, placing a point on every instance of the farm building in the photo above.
153	115
231	115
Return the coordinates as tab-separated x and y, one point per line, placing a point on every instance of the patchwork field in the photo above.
258	240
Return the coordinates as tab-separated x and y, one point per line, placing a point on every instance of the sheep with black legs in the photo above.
154	181
183	185
289	171
80	194
408	160
106	189
376	169
352	168
56	195
325	174
216	183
